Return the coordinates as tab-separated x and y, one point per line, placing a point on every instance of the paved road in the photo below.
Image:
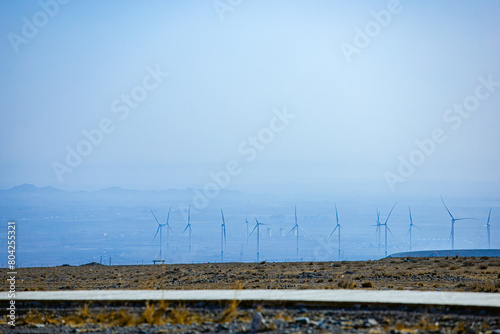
328	297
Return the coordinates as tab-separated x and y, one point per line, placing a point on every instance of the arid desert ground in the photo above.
439	274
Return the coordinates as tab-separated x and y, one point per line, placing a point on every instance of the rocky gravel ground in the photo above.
438	274
201	318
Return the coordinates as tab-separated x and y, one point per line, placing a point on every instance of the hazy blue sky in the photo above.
353	117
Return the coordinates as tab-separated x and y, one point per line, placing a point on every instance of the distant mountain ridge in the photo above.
30	196
28	188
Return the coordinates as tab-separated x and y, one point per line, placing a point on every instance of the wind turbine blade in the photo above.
168	216
442	200
302	229
336	214
488	222
189	214
157	230
409	210
225	241
333	231
187	226
295	215
390	213
253	229
388	229
222	214
154	216
408	231
418	228
466	219
293	228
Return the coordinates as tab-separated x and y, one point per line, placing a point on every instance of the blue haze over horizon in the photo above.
352	119
362	104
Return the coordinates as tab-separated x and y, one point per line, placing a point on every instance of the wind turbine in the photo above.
453	220
488	228
387	228
296	227
222	236
378	230
338	227
188	227
246	221
160	229
411	225
257	226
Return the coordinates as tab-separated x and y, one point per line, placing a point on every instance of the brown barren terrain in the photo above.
446	274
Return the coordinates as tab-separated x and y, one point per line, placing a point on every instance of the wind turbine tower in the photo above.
387	228
296	227
488	229
246	221
336	227
188	227
411	225
168	228
453	220
378	230
160	229
222	237
257	226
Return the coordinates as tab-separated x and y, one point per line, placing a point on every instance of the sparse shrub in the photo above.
484	286
483	266
346	284
367	285
230	313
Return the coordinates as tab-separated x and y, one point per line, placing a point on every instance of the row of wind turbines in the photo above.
337	228
412	225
